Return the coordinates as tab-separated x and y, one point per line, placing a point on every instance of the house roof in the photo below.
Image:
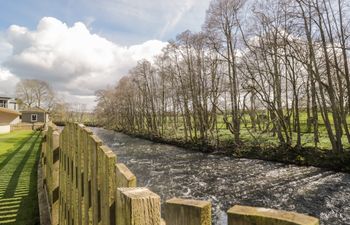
34	109
5	110
7	98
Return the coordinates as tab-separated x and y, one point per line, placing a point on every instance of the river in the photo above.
171	171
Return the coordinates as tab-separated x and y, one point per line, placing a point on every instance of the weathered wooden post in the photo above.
137	206
108	185
55	178
94	145
187	212
87	177
244	215
111	159
80	159
125	178
63	177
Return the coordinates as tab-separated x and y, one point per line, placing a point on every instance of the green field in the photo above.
265	139
19	153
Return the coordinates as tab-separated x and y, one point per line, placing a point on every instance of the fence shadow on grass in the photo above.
29	204
18	195
14	152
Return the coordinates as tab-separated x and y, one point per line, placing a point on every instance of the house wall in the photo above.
5	128
27	117
12	105
8	118
16	121
8	103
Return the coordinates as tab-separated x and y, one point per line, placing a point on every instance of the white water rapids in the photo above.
175	172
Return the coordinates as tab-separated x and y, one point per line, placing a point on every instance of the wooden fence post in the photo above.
244	215
55	148
125	178
87	176
108	185
137	206
95	143
187	212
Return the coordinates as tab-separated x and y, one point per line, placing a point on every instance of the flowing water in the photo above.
176	172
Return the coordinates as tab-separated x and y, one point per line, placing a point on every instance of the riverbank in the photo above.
306	156
226	181
309	156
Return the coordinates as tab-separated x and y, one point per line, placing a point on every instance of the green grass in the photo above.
19	153
264	139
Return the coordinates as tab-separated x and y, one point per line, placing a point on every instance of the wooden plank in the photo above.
95	142
79	175
55	178
137	206
87	177
100	185
125	178
245	215
112	187
187	212
109	187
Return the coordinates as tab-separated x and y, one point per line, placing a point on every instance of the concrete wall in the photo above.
4	129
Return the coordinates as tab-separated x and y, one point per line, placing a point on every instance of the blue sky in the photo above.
122	21
80	46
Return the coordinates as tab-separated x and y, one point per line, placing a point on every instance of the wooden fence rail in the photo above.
85	185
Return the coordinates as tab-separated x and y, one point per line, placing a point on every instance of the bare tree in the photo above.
35	93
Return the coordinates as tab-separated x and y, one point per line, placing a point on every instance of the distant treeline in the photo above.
244	79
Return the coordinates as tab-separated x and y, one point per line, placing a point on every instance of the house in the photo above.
8	117
8	103
35	115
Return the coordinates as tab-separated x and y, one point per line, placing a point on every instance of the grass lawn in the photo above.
19	154
263	139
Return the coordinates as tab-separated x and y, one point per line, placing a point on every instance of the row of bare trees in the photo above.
255	69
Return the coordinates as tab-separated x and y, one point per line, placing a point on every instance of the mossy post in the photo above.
95	143
187	212
80	132
55	206
137	206
87	177
125	178
109	185
244	215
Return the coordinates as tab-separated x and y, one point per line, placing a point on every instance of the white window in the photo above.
34	117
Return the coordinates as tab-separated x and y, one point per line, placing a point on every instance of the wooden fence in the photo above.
85	185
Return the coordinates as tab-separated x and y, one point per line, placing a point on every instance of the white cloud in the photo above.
7	82
71	58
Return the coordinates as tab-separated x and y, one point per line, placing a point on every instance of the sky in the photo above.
80	46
